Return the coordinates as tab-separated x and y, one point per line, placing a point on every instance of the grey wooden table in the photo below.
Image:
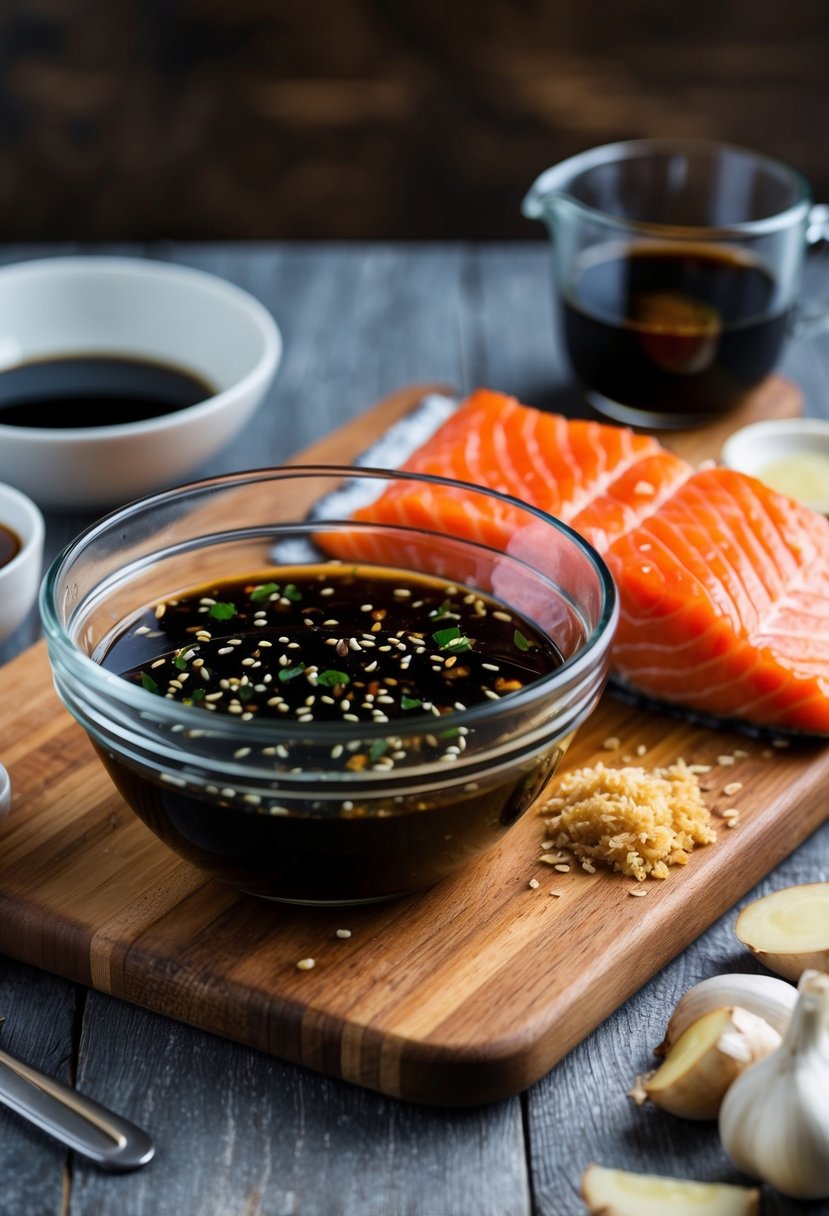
239	1133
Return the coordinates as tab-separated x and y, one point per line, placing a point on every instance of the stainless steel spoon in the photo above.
87	1127
80	1123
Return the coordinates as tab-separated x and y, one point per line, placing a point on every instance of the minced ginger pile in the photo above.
636	821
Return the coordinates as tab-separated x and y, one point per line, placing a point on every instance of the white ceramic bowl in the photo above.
19	578
788	454
139	308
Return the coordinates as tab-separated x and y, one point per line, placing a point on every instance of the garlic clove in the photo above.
706	1059
771	999
774	1120
789	929
610	1192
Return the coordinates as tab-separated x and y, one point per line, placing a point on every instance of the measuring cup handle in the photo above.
814	318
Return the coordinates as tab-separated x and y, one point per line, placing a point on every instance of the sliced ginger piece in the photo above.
619	1193
706	1058
788	930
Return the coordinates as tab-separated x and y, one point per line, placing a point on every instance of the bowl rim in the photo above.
94	675
754	436
32	542
100	266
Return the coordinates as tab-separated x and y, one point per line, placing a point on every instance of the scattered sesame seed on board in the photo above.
732	788
725	761
611	743
343	933
533	884
306	964
638	891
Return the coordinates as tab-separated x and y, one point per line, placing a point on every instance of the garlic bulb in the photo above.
771	999
774	1120
707	1058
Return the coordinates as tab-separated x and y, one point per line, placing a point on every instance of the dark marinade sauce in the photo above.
333	643
334	646
72	391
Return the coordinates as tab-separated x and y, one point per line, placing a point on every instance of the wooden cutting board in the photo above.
463	994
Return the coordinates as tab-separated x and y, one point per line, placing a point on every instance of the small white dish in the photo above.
20	577
130	307
790	455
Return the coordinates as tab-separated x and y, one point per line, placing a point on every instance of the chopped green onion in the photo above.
290	673
331	678
263	592
410	702
520	641
451	639
292	592
378	747
148	682
222	612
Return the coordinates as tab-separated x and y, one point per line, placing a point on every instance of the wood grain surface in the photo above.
458	996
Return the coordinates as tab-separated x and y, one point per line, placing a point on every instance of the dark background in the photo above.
139	119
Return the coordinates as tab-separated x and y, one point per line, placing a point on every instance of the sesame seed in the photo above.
725	761
562	867
534	884
502	616
638	891
160	609
306	964
732	788
343	933
641	750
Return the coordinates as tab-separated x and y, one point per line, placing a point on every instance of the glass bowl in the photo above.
329	812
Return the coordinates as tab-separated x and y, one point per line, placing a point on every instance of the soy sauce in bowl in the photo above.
95	390
9	545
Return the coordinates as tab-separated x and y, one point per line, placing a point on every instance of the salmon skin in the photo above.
723	583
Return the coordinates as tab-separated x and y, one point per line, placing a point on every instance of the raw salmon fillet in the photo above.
723	583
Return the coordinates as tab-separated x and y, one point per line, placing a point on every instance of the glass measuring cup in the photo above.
677	269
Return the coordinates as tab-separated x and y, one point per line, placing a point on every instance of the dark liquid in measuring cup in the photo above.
673	332
95	390
9	545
